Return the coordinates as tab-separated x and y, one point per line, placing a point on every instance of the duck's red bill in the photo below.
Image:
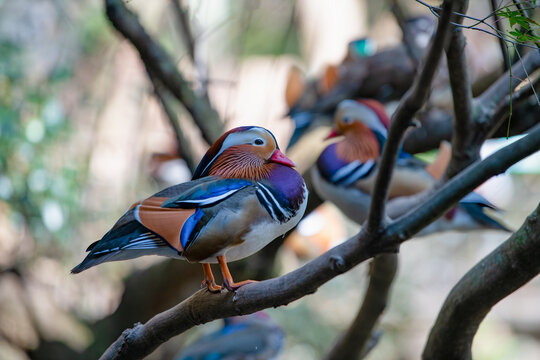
280	158
332	134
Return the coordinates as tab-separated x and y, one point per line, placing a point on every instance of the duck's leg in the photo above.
209	279
228	281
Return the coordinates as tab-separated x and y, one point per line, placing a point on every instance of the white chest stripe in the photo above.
352	172
273	206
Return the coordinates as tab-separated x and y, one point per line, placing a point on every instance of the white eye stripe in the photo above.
363	114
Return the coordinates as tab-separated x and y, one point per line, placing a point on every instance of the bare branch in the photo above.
409	105
450	193
499	274
154	57
182	19
464	150
485	105
183	146
203	306
414	52
353	342
489	110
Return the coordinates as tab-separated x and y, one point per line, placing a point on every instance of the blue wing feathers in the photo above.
186	234
207	194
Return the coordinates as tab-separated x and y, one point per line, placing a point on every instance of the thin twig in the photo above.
502	43
435	11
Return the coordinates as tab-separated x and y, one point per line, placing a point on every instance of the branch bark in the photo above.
408	106
183	146
353	342
464	150
499	274
203	307
443	199
182	19
155	58
488	109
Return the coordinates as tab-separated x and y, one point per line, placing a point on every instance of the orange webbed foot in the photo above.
209	281
235	286
211	286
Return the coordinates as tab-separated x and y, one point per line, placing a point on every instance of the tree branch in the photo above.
489	110
203	306
443	199
415	54
502	43
353	342
182	19
183	146
486	104
154	57
499	274
408	106
464	150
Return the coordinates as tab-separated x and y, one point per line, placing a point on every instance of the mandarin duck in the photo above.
346	170
254	336
243	194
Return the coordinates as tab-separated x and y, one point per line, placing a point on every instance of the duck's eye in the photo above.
258	142
346	120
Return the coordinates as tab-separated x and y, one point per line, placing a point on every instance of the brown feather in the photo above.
240	163
359	144
167	222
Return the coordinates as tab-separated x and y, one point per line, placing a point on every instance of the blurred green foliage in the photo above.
40	180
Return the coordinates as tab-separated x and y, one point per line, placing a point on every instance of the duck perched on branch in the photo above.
244	194
345	171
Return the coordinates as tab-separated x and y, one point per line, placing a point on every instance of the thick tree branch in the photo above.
464	151
353	342
203	307
408	106
485	105
499	274
155	57
487	111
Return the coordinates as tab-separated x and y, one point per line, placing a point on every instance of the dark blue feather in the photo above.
187	235
207	194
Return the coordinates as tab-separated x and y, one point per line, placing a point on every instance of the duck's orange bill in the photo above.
280	158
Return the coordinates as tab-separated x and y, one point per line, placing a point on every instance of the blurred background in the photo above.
82	137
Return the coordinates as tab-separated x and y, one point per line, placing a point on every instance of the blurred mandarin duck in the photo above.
244	194
254	336
346	170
